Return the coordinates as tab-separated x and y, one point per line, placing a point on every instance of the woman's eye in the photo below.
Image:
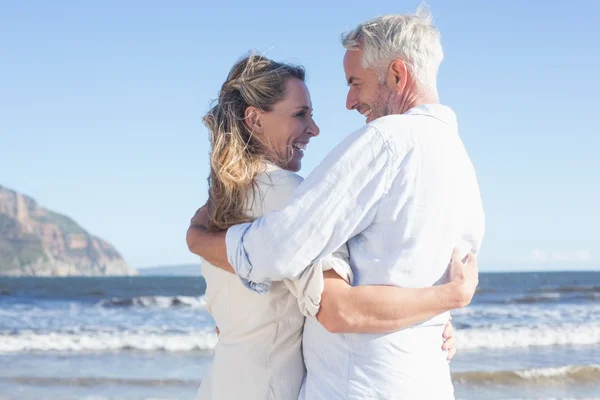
304	114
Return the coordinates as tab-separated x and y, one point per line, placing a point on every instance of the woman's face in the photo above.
289	126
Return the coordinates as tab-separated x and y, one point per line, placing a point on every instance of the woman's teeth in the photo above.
300	146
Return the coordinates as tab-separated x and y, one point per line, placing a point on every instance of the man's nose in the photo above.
351	100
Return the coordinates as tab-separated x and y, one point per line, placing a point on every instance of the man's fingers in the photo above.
449	343
451	353
456	254
448	330
472	260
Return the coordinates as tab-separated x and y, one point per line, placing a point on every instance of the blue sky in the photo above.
101	107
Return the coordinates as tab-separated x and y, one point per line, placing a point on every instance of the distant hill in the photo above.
38	242
172	270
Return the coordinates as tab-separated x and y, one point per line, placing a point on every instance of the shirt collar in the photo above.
270	167
437	111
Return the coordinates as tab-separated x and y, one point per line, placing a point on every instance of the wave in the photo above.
155	301
573	289
538	298
532	336
577	374
527	314
204	340
98	381
545	296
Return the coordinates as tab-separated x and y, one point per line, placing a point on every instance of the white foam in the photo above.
529	311
515	337
557	372
108	341
156	301
155	340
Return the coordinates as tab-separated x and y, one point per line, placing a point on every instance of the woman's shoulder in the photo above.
278	178
272	190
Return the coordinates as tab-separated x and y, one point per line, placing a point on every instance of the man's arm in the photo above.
337	201
383	309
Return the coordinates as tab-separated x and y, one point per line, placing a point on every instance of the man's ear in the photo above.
253	120
397	75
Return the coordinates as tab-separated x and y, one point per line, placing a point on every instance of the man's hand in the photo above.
464	277
449	340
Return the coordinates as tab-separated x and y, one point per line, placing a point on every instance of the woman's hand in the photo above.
201	217
198	222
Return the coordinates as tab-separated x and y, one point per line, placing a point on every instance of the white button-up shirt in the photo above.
403	193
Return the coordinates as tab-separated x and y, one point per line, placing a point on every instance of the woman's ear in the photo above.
252	119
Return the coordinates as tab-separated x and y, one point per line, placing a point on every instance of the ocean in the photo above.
525	336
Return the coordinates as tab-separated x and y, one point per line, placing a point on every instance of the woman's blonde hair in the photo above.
237	155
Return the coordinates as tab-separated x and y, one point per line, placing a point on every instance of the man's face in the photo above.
366	93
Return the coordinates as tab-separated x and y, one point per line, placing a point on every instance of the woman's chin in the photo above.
294	165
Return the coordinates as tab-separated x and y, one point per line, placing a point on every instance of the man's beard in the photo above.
385	102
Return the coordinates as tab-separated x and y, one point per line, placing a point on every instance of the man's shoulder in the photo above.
397	132
396	125
416	125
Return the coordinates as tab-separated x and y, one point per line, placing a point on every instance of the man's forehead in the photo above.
353	64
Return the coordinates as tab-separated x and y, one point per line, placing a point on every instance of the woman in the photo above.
259	130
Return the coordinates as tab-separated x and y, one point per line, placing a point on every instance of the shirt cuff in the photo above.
308	287
237	257
341	267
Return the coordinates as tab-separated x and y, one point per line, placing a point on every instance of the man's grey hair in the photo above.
412	38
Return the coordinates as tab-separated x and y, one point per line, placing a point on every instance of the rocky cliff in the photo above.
37	241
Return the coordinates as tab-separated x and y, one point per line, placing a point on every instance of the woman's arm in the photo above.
382	309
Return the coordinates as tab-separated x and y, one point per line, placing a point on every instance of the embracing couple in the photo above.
338	286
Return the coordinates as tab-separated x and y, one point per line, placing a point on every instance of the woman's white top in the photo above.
259	354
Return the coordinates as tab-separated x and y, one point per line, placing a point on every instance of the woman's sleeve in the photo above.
308	287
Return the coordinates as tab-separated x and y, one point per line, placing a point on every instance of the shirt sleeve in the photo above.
338	200
274	191
309	285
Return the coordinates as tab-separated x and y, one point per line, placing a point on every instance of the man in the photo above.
401	191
